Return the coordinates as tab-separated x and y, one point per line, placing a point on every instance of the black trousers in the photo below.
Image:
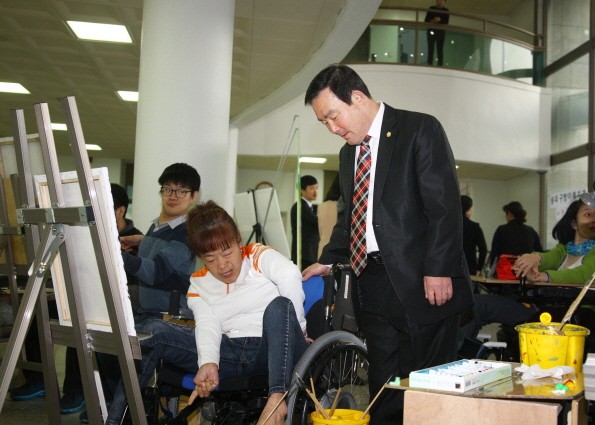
396	344
436	37
72	377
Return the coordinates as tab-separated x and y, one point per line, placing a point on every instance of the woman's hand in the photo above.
206	380
527	264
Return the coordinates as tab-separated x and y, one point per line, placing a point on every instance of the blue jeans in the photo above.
278	351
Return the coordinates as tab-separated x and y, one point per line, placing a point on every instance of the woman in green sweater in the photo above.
571	261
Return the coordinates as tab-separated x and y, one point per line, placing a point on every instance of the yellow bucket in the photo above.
541	344
341	417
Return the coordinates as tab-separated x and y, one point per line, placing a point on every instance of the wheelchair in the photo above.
337	359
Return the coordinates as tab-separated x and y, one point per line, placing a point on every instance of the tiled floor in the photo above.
33	412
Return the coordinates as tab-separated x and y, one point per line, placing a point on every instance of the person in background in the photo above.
571	261
164	262
401	230
474	243
309	224
514	237
327	214
126	228
436	36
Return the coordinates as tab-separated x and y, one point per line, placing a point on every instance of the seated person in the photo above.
248	307
571	261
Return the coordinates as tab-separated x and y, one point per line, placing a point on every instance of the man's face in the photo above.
172	206
440	3
310	192
348	121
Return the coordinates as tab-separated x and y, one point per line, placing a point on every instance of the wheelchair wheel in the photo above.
335	360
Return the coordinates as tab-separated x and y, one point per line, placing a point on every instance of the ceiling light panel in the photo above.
100	32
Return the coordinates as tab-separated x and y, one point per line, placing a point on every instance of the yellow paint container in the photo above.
341	417
541	344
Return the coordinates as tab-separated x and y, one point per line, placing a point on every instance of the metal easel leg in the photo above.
51	240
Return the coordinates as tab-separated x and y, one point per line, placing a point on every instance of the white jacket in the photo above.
237	309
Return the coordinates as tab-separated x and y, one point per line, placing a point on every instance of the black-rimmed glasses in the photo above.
180	193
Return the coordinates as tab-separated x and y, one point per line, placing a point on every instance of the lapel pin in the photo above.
388	134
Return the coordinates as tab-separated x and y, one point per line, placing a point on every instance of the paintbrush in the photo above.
375	398
335	402
317	404
275	408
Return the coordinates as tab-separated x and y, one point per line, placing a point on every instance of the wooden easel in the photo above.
54	226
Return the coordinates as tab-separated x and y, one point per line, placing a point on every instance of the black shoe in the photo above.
28	392
84	417
72	402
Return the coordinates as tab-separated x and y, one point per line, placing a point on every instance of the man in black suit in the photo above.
309	228
473	240
415	280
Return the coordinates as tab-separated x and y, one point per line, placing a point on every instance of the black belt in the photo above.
376	257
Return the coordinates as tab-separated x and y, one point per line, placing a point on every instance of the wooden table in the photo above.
507	401
492	280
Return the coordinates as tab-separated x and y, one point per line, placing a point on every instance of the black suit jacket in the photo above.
310	234
417	213
473	241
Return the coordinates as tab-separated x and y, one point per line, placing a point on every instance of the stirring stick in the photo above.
312	385
379	392
275	408
334	403
318	405
575	304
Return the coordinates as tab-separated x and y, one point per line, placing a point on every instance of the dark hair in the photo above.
306	181
466	203
341	81
120	197
334	192
182	175
210	228
563	231
517	211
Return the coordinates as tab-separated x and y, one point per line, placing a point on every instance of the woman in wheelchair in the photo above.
248	309
571	261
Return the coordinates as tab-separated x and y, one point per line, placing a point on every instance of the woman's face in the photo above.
224	264
584	224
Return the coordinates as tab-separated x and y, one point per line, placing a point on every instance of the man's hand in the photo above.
206	380
438	289
127	242
315	269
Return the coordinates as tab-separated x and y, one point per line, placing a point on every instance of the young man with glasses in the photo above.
164	261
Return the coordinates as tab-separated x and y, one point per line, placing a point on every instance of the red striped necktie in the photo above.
357	247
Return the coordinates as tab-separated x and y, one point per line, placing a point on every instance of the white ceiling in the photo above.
273	40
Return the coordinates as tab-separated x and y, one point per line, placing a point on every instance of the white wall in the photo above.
489	196
487	119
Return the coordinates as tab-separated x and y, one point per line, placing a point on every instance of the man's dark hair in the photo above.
466	203
182	175
340	79
120	197
334	192
306	181
563	231
517	211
